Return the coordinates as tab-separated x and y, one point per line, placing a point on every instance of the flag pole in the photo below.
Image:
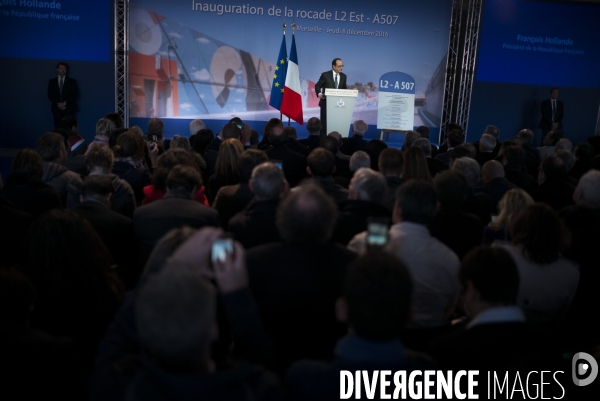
281	115
293	31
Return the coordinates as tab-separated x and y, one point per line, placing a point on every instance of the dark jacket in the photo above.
353	218
255	225
30	194
123	200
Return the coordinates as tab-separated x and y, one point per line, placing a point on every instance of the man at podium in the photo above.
334	79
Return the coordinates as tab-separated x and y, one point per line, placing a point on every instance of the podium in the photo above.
340	106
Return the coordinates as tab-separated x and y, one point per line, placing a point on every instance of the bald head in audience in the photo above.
587	192
490	170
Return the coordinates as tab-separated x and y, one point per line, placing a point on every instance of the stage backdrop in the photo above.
526	48
191	59
36	35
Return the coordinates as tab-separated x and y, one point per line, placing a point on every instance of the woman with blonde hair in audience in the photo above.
226	168
415	165
509	206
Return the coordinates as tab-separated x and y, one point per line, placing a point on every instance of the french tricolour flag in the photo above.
291	105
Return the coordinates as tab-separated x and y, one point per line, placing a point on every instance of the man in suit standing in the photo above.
62	93
334	79
553	112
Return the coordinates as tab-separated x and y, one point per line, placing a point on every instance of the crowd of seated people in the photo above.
110	289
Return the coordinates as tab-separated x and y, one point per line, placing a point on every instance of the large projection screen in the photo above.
526	48
190	59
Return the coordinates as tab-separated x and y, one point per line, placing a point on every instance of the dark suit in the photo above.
116	232
313	141
255	225
353	144
294	164
69	95
295	287
546	121
155	219
326	81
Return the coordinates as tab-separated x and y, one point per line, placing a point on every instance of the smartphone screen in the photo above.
377	234
494	217
220	249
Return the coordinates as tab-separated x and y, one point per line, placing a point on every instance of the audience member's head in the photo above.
564	144
277	135
538	229
459	152
455	138
331	144
367	185
97	188
290	133
525	136
313	126
114	136
391	162
567	157
51	147
374	149
116	119
129	145
69	123
231	131
423	131
451	188
587	192
410	137
166	162
100	160
552	138
227	160
28	162
321	161
359	127
180	142
487	143
503	146
307	216
376	297
175	319
492	169
493	131
513	155
249	159
489	278
359	159
337	136
267	182
416	202
195	126
201	140
424	145
509	206
415	165
156	126
104	126
184	180
552	168
470	169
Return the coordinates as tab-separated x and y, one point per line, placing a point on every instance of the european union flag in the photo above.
279	77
